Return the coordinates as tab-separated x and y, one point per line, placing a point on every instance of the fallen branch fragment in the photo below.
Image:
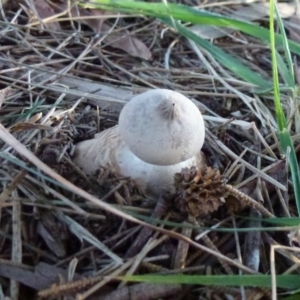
248	201
44	275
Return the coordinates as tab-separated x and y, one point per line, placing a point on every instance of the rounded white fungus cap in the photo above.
162	127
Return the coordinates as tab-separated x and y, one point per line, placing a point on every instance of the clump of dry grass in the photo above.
59	88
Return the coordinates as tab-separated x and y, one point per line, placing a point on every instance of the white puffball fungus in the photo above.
162	127
160	132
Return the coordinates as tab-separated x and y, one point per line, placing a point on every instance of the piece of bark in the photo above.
44	275
182	249
94	93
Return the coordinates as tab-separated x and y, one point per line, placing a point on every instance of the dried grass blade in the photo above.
84	234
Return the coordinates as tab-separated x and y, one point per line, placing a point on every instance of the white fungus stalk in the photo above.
159	133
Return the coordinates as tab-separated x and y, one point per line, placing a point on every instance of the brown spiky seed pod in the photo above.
199	193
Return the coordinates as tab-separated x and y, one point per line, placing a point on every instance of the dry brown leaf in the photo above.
22	126
44	11
123	41
35	118
126	42
94	23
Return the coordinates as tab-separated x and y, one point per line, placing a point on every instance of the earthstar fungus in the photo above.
160	132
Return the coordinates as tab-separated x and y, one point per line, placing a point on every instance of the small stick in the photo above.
146	232
246	200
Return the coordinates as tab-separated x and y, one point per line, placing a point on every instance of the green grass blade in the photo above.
289	76
288	149
282	281
285	224
285	139
24	166
170	12
225	59
286	221
188	14
285	72
295	296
